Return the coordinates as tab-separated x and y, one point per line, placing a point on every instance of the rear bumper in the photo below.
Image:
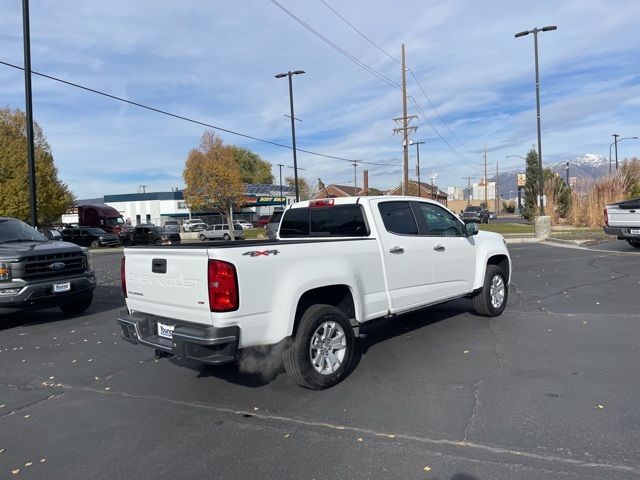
208	345
623	233
39	294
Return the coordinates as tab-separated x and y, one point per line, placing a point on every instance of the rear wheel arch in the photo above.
340	296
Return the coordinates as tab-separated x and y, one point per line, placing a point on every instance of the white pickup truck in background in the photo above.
336	263
622	219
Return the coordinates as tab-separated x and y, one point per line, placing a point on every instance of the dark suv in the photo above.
90	237
152	235
40	273
475	214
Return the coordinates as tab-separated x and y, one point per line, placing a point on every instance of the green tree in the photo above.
304	190
253	169
54	196
530	203
212	178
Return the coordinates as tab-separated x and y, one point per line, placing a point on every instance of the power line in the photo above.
438	113
426	119
336	47
180	117
360	33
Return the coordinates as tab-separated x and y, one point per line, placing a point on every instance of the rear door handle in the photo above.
439	248
397	250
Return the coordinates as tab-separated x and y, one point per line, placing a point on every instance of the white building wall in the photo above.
478	191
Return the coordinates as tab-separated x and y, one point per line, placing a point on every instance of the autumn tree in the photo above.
253	169
304	189
54	197
212	178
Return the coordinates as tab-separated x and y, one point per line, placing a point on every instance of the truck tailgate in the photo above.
619	216
168	282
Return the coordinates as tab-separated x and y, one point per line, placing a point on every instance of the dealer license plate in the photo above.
61	287
165	331
635	231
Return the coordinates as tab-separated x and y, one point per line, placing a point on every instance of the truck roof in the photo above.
352	200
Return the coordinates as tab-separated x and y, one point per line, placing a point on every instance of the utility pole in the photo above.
355	177
615	141
486	183
468	189
29	112
280	165
405	129
496	191
568	176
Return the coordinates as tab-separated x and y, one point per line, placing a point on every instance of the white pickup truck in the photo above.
622	219
336	263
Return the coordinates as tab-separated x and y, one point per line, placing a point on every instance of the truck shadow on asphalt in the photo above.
105	298
259	367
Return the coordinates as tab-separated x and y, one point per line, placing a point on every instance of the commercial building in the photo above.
158	207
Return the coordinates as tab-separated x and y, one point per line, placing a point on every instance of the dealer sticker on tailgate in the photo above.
165	331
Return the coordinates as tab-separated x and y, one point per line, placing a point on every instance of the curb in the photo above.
562	241
512	240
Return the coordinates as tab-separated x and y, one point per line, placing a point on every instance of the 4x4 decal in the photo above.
259	253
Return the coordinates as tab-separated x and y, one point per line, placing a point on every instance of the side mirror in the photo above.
471	229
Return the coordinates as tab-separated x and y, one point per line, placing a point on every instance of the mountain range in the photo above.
587	166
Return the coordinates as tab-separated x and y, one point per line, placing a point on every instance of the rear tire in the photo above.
202	238
634	243
226	236
158	242
322	350
78	307
492	299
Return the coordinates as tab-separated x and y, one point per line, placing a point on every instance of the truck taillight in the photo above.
223	286
322	202
606	218
123	277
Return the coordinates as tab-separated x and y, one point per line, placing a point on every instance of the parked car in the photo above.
244	224
622	219
337	263
172	226
186	225
221	232
197	227
90	237
274	223
262	221
153	235
475	214
40	273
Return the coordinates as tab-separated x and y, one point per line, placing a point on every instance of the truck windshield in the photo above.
16	231
114	221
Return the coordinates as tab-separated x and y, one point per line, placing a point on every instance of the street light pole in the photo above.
417	144
615	141
293	126
29	112
568	175
535	42
616	144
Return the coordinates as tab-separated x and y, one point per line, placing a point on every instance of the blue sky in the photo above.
216	61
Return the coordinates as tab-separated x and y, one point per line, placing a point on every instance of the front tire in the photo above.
78	307
202	238
95	244
492	299
634	243
322	350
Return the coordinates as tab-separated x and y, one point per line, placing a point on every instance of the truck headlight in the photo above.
88	261
5	271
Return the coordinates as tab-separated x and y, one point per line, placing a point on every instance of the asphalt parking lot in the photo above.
547	390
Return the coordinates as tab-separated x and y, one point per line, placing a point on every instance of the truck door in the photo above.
453	253
406	255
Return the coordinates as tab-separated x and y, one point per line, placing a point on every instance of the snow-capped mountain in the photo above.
589	165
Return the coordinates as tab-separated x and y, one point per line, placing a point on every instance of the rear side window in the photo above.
275	218
398	218
336	221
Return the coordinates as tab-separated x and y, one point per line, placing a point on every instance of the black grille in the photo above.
39	266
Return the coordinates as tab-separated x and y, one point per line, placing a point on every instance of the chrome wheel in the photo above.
496	292
327	348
